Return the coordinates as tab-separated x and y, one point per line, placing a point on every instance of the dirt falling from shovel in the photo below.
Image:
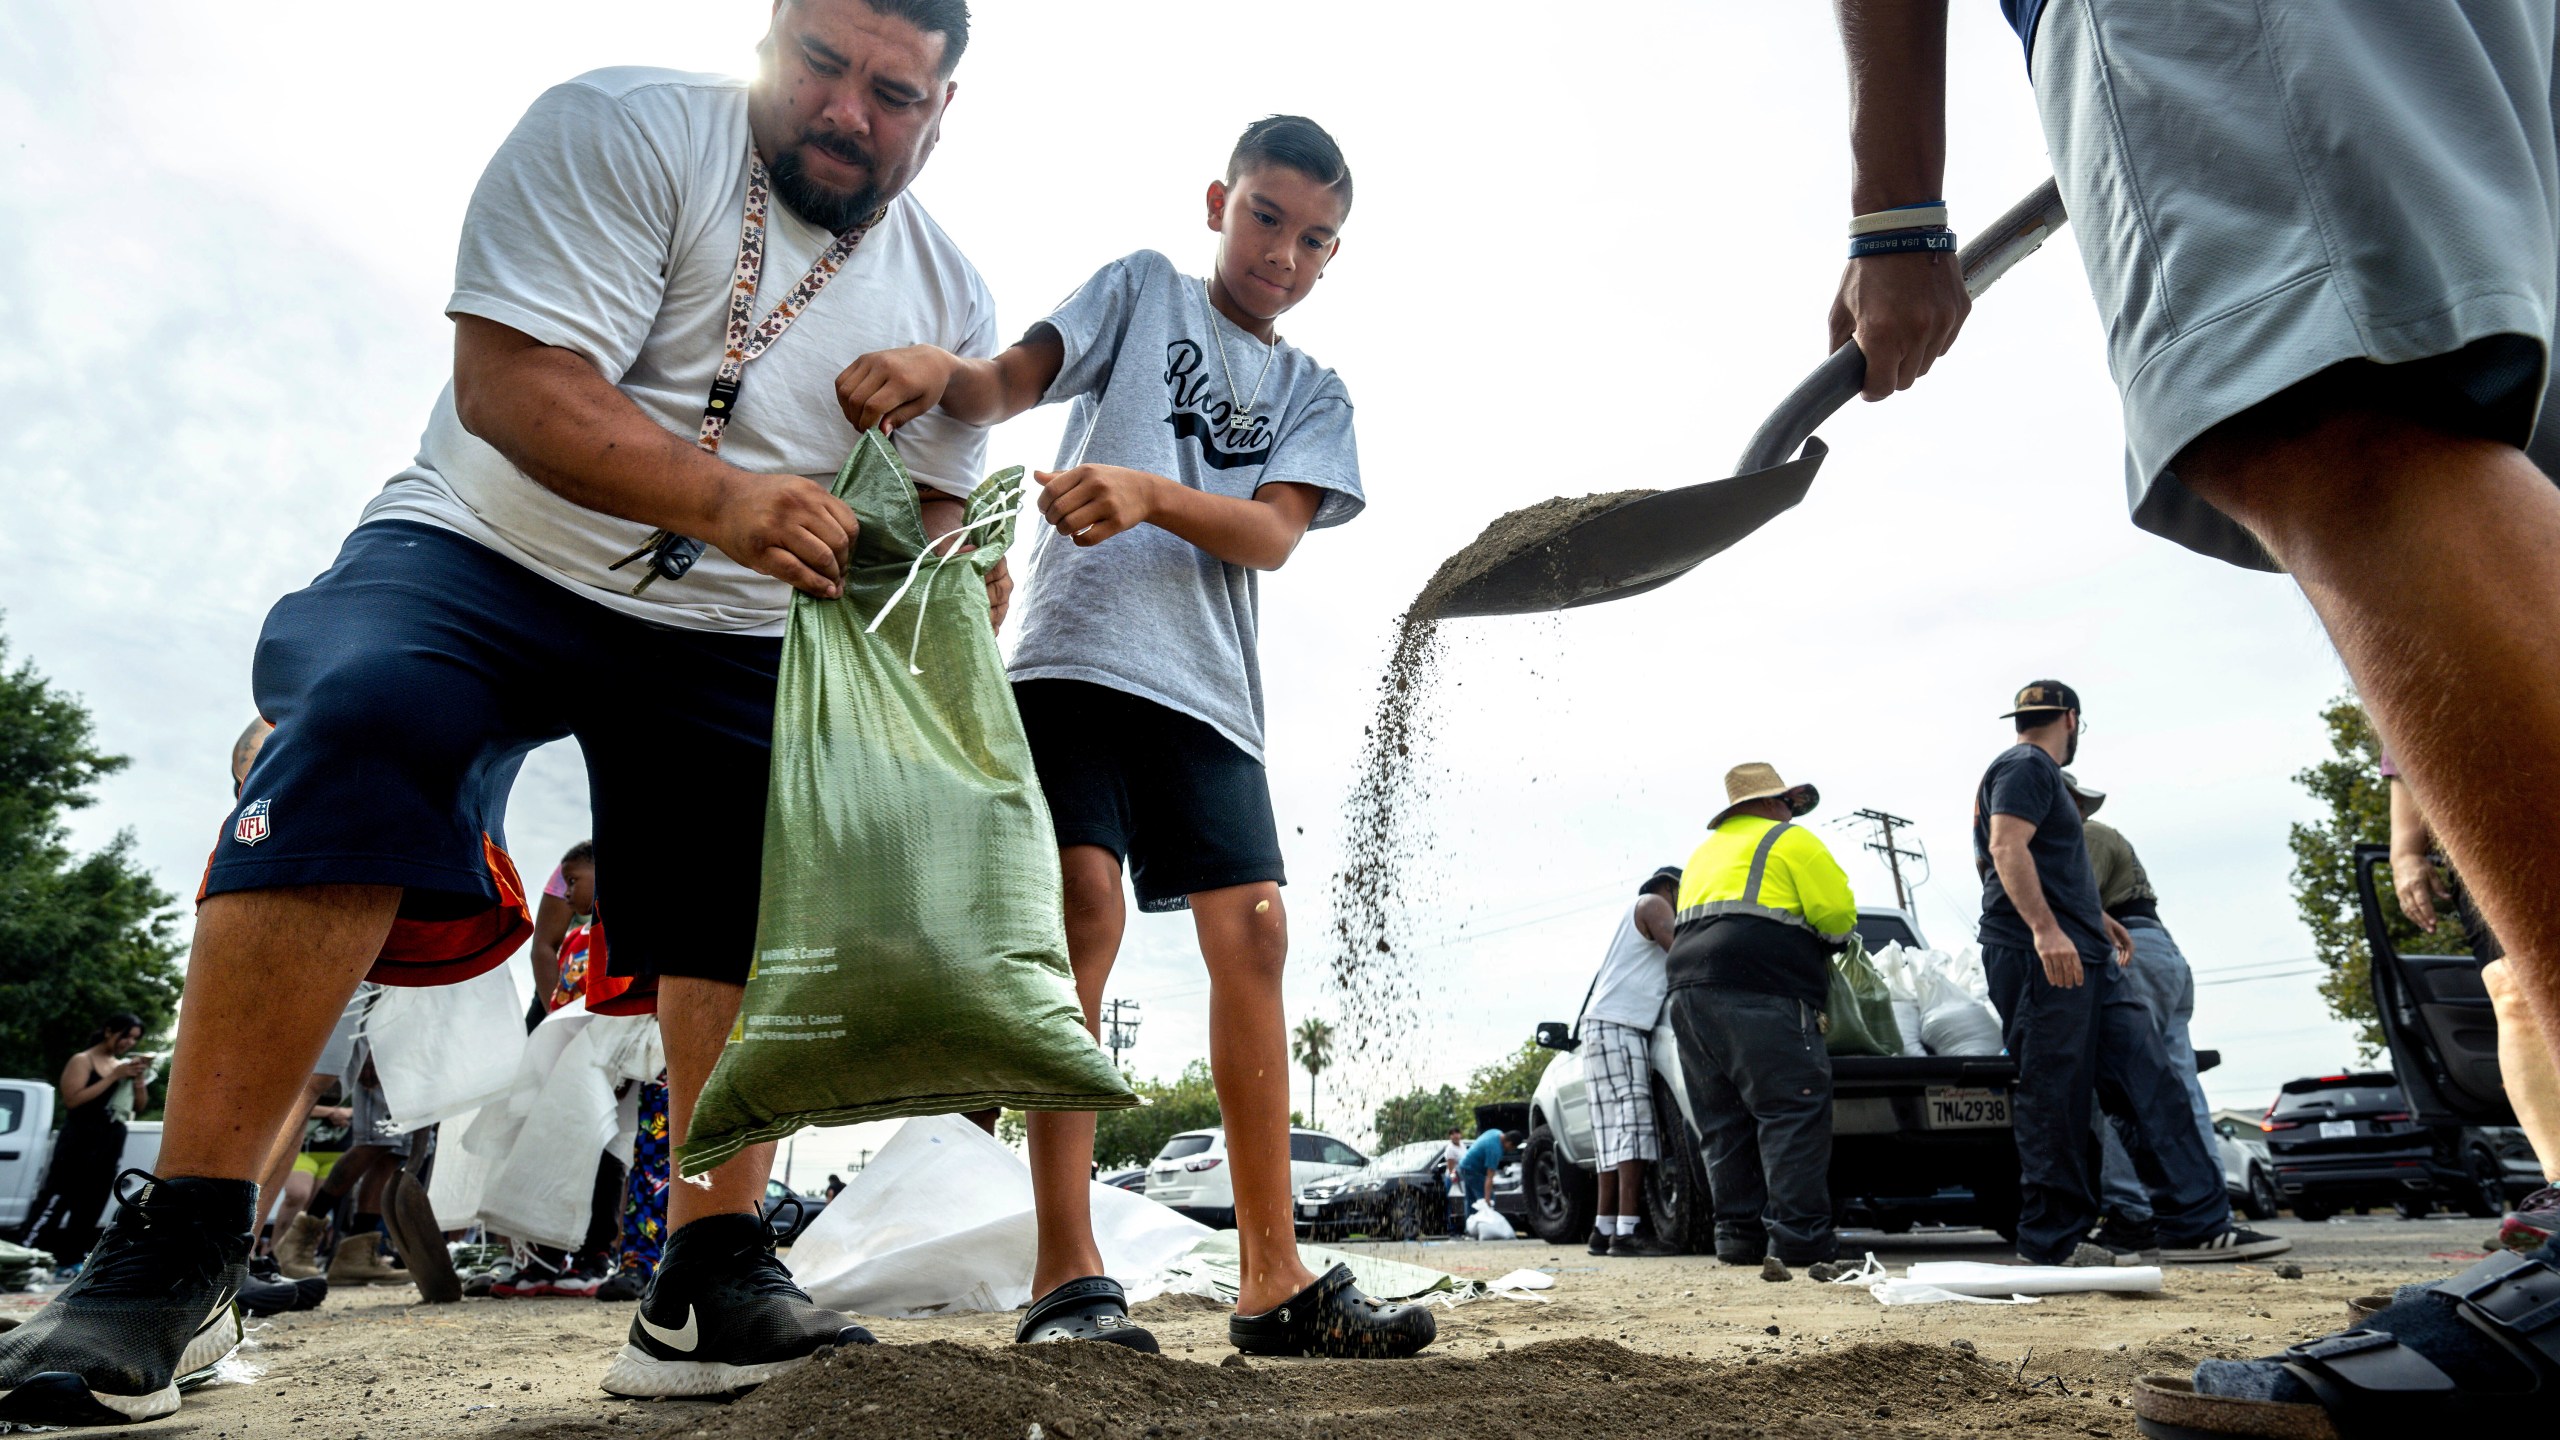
1386	820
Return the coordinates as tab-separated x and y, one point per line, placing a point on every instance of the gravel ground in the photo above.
1668	1345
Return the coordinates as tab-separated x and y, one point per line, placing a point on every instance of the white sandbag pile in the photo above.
1941	1001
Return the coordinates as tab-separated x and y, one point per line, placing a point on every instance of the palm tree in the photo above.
1312	1048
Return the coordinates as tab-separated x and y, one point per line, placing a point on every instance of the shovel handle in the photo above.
2010	239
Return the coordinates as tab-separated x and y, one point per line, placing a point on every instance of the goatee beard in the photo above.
2071	748
835	211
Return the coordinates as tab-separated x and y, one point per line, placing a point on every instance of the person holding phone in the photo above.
101	1086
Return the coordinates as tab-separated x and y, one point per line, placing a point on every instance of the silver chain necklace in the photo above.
1239	415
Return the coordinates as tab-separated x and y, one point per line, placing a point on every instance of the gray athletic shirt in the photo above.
1147	612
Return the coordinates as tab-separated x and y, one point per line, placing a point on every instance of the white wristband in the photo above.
1909	217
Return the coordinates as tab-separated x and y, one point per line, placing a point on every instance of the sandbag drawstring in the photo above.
948	547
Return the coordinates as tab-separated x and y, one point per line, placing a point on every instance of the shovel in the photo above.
1654	540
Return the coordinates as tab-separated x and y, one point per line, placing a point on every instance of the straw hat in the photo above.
2090	799
1757	781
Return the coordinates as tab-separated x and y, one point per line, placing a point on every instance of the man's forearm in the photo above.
556	419
1897	51
2017	870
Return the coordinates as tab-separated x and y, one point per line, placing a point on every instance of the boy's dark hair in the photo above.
582	853
946	18
1297	142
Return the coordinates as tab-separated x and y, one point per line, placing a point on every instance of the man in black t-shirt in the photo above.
2079	1035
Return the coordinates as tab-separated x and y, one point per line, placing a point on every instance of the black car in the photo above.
1401	1195
2339	1141
1134	1178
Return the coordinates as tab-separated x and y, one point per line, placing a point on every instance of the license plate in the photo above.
1964	1107
1311	1210
2337	1129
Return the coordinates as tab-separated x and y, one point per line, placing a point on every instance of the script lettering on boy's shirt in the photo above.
1202	416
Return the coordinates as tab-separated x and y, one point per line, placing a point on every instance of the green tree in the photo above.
2356	802
1312	1048
80	935
1426	1114
1512	1077
1422	1115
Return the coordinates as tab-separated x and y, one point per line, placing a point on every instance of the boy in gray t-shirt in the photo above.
1199	448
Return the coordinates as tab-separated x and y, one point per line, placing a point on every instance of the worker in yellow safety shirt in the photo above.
1763	907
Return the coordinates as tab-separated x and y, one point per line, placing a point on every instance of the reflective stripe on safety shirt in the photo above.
1772	870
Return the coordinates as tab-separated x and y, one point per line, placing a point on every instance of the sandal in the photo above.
1093	1308
1332	1318
2367	1383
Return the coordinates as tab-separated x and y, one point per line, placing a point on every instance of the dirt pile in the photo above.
1385	818
1586	1388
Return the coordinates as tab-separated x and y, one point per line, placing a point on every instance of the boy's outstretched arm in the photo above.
1903	309
1092	503
888	388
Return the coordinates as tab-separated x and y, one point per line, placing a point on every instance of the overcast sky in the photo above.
1591	248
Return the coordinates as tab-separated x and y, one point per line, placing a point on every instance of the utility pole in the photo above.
1119	1027
1893	853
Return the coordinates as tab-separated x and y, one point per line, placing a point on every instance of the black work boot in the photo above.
721	1315
150	1313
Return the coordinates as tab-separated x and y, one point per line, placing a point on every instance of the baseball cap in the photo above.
2039	696
1667	872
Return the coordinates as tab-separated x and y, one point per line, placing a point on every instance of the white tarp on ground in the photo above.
559	1116
941	1220
1932	1282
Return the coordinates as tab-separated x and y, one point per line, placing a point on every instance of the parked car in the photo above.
1913	1136
2349	1139
1401	1195
787	1212
2443	1037
2248	1174
26	1148
1190	1173
1134	1178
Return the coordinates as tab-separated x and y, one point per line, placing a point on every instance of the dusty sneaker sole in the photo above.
636	1374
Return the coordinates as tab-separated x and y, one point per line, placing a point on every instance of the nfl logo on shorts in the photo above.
253	823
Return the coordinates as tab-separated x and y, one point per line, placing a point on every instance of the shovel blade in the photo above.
1638	546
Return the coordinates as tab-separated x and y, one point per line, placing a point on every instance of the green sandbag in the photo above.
911	951
1861	1008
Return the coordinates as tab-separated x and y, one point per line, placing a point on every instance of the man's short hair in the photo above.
1297	142
946	18
2038	719
582	853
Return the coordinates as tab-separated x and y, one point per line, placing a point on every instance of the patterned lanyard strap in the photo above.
670	555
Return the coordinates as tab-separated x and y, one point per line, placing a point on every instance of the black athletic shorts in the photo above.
1174	800
408	683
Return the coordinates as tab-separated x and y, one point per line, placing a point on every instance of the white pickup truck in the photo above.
26	1146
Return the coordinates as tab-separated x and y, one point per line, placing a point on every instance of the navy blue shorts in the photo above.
408	683
1178	803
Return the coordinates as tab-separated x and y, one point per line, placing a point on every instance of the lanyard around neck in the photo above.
670	555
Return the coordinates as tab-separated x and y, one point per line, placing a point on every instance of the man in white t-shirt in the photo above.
1616	1030
603	405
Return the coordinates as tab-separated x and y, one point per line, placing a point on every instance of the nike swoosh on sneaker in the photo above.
683	1338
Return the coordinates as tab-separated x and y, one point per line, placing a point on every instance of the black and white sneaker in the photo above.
2239	1242
721	1315
150	1313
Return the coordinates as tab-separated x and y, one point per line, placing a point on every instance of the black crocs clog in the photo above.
1093	1308
1332	1318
